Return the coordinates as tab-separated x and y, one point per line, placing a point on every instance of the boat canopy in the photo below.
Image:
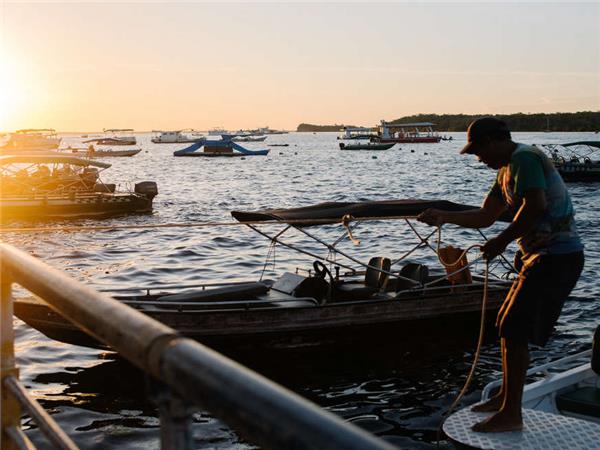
334	212
116	130
50	159
595	144
407	125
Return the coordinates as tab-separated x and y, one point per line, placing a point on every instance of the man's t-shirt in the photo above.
529	168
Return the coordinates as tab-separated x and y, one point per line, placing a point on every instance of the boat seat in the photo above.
412	271
584	401
374	281
243	291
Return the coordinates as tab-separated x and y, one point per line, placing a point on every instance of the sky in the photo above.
83	66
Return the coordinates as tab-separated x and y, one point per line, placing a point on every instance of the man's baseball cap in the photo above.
480	129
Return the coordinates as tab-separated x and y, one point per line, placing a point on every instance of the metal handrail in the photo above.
260	410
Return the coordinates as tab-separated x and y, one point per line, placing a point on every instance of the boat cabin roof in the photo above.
595	144
50	159
116	130
333	212
407	125
35	130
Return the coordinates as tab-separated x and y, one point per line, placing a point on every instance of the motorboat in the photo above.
217	131
115	136
248	138
575	161
561	408
42	139
413	133
176	137
55	185
349	133
93	152
338	299
366	146
225	147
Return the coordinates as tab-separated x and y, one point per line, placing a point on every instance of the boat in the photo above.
349	133
58	186
248	138
337	300
573	160
366	146
93	152
561	408
218	148
176	137
413	133
217	131
39	139
114	136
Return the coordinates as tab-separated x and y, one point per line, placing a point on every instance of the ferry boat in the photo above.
176	137
42	139
57	186
337	300
415	133
115	136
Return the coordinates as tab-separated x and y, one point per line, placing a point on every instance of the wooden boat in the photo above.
574	161
218	148
92	152
250	138
54	185
380	301
31	140
561	408
366	146
114	136
413	133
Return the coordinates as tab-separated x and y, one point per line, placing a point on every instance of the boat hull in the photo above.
418	319
106	153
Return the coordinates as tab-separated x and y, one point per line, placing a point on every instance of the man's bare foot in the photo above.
498	423
490	405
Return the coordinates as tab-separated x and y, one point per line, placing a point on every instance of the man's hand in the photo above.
493	248
431	217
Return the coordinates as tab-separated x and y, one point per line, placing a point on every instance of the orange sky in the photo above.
87	66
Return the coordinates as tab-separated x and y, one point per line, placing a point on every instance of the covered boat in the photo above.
413	133
39	139
93	152
54	185
575	161
340	299
115	136
176	137
218	148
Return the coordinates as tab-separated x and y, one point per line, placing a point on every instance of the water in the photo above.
396	391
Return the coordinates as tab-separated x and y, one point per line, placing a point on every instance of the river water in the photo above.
394	390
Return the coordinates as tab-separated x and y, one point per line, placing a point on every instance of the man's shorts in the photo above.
536	298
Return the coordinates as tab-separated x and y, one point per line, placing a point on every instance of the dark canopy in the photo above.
595	144
333	212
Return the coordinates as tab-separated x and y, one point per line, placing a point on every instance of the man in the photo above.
551	254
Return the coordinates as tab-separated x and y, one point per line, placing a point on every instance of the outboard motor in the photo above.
147	188
596	351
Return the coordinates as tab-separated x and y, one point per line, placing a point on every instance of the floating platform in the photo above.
541	431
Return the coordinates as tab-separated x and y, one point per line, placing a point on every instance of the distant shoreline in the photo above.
578	121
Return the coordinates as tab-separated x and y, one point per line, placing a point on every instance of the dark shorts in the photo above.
536	298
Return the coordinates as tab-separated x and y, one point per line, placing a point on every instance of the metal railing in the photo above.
255	407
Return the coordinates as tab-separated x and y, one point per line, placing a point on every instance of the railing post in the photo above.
10	408
175	420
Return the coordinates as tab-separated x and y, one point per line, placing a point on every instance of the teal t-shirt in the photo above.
530	168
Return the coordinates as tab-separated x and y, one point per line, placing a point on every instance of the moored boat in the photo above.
176	137
93	152
218	148
414	133
378	300
366	146
574	160
31	140
115	136
53	185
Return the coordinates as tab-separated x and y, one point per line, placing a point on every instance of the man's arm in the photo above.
531	210
493	206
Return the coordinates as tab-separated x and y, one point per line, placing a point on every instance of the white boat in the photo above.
249	138
561	409
176	137
217	131
43	139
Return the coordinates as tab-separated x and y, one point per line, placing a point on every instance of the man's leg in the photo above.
509	417
495	402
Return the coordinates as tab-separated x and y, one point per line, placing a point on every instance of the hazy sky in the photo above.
85	66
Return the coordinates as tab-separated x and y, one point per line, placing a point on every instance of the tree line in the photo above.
578	121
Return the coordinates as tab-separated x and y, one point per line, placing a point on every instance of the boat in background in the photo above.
217	131
184	136
32	139
348	133
414	133
366	146
573	160
248	138
218	148
58	186
93	152
114	136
